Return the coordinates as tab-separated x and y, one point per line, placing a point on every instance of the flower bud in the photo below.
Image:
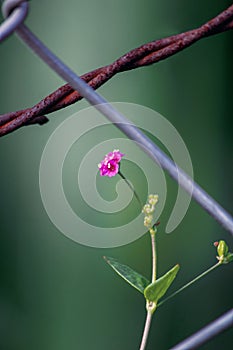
222	249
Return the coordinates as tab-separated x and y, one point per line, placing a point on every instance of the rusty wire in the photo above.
224	20
76	83
144	55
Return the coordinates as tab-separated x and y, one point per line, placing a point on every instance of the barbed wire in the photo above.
67	94
144	55
128	128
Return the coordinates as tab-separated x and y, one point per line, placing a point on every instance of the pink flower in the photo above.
110	164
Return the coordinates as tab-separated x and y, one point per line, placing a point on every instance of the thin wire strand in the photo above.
153	151
143	55
205	334
17	17
210	205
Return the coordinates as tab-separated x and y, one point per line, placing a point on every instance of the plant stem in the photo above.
191	282
146	330
153	278
131	187
153	246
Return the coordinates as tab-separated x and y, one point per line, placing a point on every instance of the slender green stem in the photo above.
153	246
190	283
131	187
153	278
146	330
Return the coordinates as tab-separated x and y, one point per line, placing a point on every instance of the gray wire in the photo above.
17	17
210	331
208	203
201	197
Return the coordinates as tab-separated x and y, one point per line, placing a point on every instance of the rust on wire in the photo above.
144	55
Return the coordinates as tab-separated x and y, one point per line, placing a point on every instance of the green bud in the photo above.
224	256
153	231
222	249
148	209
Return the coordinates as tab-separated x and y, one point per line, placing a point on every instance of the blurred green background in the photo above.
57	294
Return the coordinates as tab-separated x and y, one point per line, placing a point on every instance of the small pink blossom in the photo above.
109	166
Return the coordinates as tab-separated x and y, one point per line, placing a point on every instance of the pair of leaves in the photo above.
152	291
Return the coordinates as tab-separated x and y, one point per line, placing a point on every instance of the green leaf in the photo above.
154	291
136	280
228	258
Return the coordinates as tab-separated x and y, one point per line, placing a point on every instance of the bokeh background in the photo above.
57	294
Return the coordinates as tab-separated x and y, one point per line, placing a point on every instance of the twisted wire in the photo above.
67	94
144	55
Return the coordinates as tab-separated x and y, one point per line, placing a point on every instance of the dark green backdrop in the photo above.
56	294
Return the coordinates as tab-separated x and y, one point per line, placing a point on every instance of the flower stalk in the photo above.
148	210
110	166
131	187
223	257
190	283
